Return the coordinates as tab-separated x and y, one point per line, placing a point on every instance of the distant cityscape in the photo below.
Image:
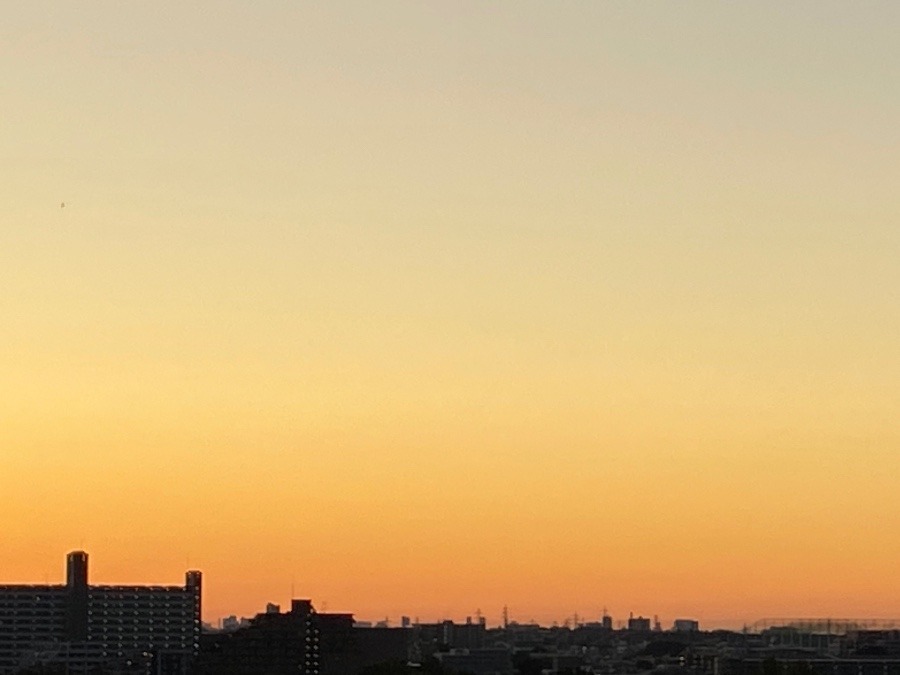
78	627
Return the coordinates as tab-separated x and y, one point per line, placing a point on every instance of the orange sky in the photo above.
421	309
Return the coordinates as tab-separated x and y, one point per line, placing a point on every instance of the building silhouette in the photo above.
301	641
639	624
86	628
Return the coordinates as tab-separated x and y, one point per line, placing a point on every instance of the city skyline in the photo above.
76	575
505	616
151	629
425	307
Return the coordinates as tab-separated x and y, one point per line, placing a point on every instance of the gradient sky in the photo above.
429	307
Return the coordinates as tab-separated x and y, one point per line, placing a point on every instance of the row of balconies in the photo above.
20	625
178	603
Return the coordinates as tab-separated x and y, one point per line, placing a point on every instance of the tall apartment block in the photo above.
152	630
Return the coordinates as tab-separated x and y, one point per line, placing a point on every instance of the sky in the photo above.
424	308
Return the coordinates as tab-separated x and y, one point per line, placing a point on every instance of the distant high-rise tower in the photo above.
606	620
